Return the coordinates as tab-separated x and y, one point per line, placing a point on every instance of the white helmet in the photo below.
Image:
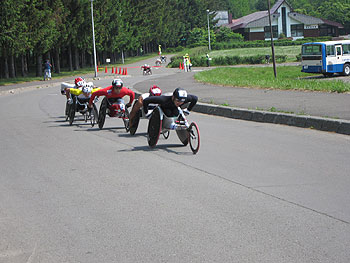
87	89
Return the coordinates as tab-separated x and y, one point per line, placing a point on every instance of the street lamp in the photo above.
93	36
208	29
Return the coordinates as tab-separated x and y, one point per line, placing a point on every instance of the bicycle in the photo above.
159	123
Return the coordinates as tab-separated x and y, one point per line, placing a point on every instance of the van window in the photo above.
330	50
346	49
338	51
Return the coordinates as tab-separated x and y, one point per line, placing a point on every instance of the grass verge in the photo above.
288	78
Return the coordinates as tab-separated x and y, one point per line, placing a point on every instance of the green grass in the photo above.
66	73
288	78
290	51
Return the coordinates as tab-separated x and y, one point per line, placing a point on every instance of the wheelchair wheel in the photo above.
166	134
93	115
126	119
194	137
135	122
71	113
102	114
66	112
154	128
183	136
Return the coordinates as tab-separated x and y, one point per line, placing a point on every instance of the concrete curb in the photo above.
318	123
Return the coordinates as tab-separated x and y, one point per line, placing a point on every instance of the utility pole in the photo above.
93	37
208	29
272	47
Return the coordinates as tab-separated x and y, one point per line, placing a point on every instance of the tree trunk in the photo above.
12	67
23	65
76	58
57	60
6	65
39	65
70	62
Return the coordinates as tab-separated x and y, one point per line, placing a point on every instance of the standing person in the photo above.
186	62
47	70
159	50
208	60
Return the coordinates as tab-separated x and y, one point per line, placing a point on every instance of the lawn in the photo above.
288	78
290	51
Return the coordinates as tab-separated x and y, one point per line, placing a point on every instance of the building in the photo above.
284	21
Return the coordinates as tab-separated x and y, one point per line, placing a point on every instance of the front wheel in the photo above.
66	112
126	120
135	122
71	113
346	70
194	137
102	114
93	115
154	128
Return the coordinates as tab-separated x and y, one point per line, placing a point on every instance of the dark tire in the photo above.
135	122
71	114
102	113
93	115
166	134
346	70
126	120
194	137
154	128
66	112
183	136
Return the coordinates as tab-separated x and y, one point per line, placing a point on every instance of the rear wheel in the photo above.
346	70
154	128
71	113
135	122
194	137
126	119
66	112
93	115
102	114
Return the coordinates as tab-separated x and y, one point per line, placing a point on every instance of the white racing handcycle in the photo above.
159	123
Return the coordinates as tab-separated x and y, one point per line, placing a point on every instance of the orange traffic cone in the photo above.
120	71
126	71
123	71
112	70
106	70
180	66
97	69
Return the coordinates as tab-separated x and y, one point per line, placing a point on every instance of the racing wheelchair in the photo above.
146	70
118	110
81	105
159	123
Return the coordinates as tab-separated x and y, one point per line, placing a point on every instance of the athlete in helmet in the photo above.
115	93
170	104
153	91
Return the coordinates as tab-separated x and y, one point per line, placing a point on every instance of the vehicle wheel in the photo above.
154	128
93	115
194	137
71	113
346	70
183	136
102	113
126	120
166	134
66	112
135	122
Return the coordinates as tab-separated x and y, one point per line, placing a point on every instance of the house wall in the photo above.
288	21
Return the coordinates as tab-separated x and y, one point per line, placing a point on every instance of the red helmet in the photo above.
79	82
155	91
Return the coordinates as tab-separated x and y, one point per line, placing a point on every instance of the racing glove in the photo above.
186	112
70	101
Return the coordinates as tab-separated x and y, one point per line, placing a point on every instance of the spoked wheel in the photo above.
194	137
126	119
166	134
154	128
135	122
71	113
102	114
93	115
66	112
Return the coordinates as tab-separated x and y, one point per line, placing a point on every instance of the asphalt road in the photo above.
255	192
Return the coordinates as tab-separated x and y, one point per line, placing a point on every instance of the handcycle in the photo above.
81	105
159	123
147	70
113	110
